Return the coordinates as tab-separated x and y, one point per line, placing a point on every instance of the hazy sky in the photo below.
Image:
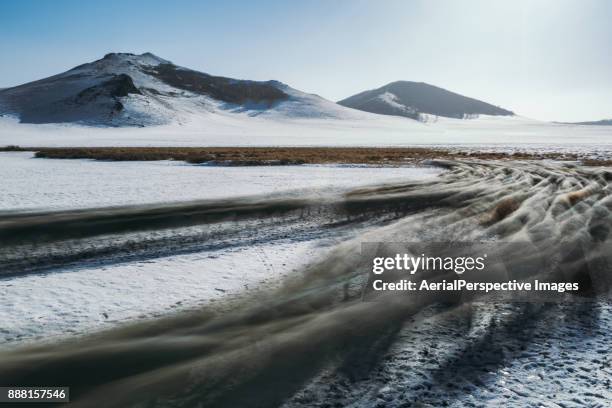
545	59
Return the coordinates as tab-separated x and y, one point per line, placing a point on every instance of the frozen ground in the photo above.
235	129
76	301
316	344
72	300
28	183
496	355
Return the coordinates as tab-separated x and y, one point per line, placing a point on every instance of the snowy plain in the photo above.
79	300
560	358
29	183
222	128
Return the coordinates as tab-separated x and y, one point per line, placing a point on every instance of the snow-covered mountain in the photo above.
124	89
416	100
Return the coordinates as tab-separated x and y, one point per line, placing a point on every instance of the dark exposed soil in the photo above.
221	88
117	86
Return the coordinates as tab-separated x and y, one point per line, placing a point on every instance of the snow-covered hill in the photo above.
415	99
144	90
603	122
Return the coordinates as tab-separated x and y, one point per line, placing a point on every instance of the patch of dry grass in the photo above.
253	156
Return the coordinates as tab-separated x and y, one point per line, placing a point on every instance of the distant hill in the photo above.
603	122
412	99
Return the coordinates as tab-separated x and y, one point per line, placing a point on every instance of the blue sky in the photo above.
546	59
